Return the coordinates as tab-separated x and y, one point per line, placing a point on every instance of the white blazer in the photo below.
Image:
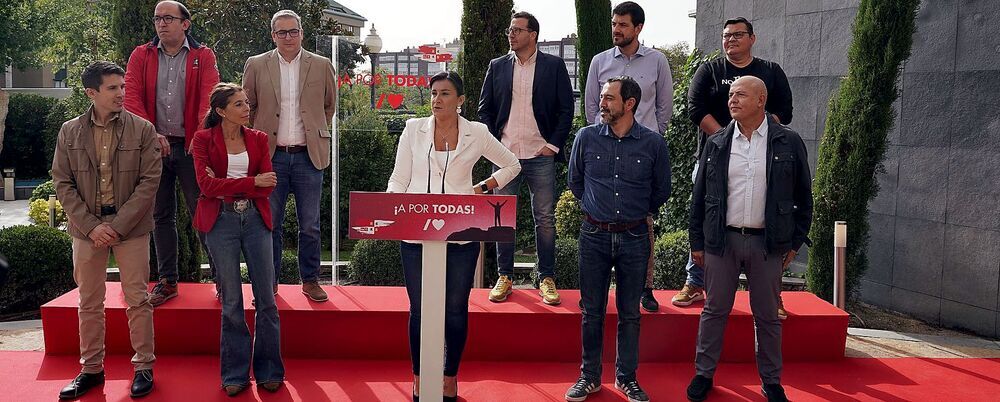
415	161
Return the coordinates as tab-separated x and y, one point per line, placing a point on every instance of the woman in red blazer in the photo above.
233	167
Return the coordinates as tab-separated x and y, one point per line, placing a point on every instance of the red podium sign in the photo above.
441	217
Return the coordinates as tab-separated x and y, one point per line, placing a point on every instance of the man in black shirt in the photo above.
708	97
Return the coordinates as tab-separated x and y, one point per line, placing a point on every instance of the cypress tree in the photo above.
593	27
854	142
483	39
131	26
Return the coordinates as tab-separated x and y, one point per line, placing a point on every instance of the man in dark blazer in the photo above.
527	103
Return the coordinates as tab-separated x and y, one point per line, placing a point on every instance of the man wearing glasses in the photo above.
648	67
708	100
292	98
169	81
527	103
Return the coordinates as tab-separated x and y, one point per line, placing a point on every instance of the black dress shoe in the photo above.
698	389
142	384
773	393
81	384
648	302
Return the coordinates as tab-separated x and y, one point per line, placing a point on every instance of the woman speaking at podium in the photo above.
436	155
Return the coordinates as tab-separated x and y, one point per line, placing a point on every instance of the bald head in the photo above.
747	97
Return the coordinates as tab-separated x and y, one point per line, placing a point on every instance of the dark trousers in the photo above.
461	270
628	253
177	167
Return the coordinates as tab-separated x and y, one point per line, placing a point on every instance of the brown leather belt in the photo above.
292	149
174	140
613	227
746	231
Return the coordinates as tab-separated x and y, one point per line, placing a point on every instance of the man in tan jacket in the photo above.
106	171
292	98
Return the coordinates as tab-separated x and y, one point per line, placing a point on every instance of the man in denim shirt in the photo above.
620	172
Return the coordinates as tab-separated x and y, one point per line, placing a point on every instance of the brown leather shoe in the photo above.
162	292
272	387
233	390
314	292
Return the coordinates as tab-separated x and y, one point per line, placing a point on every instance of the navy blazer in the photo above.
551	98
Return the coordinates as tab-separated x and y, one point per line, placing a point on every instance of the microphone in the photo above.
447	158
429	166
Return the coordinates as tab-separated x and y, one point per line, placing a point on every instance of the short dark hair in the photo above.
532	21
452	77
93	75
629	89
633	10
739	20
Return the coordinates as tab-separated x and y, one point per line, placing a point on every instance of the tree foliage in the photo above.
23	31
130	26
483	39
593	27
854	143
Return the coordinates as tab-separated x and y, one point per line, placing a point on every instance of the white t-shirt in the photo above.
239	165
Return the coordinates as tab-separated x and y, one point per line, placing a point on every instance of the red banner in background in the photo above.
452	217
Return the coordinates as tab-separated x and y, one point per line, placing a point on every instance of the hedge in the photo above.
376	263
24	145
41	266
671	252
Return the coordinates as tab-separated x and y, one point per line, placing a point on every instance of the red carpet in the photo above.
31	376
369	323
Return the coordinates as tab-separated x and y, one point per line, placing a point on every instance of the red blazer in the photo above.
209	150
140	83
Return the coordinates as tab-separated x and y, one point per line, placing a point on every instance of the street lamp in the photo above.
374	44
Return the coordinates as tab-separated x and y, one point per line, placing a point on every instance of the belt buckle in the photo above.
743	231
241	205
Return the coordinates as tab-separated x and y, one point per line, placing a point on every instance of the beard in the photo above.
622	41
610	117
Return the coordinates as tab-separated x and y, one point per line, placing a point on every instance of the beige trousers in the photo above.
90	273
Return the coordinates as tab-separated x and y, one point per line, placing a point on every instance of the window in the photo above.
550	49
569	51
571	67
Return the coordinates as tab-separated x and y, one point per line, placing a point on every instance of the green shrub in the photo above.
290	227
43	191
41	266
38	212
376	263
567	264
23	141
568	217
289	270
670	259
367	156
854	142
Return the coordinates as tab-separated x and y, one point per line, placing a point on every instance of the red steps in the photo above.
369	323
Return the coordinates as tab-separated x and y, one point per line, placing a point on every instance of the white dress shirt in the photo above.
747	179
291	131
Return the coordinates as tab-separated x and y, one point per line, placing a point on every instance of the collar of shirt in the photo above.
281	60
760	131
633	132
530	60
184	46
114	116
641	51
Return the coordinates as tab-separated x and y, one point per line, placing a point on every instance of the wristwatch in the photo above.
485	189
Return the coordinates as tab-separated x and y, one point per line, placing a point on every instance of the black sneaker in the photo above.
583	387
698	389
632	391
648	302
773	393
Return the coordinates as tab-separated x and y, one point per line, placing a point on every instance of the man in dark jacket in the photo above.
527	103
169	80
751	210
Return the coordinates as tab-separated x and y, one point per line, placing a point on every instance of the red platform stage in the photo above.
32	376
366	323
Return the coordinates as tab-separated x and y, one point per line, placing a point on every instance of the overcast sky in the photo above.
404	23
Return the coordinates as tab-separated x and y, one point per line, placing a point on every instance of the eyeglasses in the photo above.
735	35
516	31
166	19
286	33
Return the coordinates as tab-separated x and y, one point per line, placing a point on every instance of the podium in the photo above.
434	220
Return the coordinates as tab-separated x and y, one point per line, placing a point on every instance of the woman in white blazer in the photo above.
436	155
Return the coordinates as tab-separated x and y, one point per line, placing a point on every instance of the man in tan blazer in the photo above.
292	98
106	170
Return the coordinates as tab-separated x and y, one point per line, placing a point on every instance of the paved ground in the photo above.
14	213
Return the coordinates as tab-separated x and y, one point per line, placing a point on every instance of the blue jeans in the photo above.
297	175
461	270
540	174
628	253
232	234
696	274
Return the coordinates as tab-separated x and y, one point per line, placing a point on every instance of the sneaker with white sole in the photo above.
501	290
632	391
582	389
689	294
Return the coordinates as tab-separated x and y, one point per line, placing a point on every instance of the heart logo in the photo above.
395	100
438	223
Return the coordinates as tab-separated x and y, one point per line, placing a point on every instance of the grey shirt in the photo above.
650	69
170	79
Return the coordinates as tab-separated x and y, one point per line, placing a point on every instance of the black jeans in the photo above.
461	270
178	166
